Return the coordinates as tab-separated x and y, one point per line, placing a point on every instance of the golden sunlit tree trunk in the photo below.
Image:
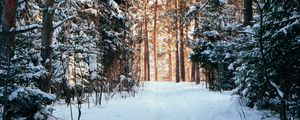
170	58
155	41
170	72
140	61
186	53
146	45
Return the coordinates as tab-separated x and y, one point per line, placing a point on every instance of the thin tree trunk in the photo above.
97	93
146	47
181	30
206	78
186	53
193	72
71	111
47	32
170	60
194	64
144	39
141	53
1	11
155	40
125	69
177	52
101	91
283	105
197	76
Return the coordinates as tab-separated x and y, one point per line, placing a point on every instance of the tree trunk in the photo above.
248	12
283	106
1	11
193	72
7	45
155	40
170	58
101	91
197	68
181	30
177	52
8	21
188	64
47	32
194	64
146	47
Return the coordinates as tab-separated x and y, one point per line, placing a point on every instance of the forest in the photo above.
88	52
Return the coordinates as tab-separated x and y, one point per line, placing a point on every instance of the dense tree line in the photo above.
54	49
259	57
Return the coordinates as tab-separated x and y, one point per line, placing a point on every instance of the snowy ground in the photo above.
167	101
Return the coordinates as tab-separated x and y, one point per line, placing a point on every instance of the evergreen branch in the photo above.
193	14
26	28
61	22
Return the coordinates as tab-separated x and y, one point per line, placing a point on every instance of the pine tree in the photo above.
265	66
216	26
23	66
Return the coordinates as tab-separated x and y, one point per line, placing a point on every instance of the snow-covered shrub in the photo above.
27	102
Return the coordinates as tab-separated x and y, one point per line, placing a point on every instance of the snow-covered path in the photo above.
166	101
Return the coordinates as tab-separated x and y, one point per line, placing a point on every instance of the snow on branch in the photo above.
57	24
281	94
26	28
114	4
285	30
293	18
28	92
193	10
21	2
